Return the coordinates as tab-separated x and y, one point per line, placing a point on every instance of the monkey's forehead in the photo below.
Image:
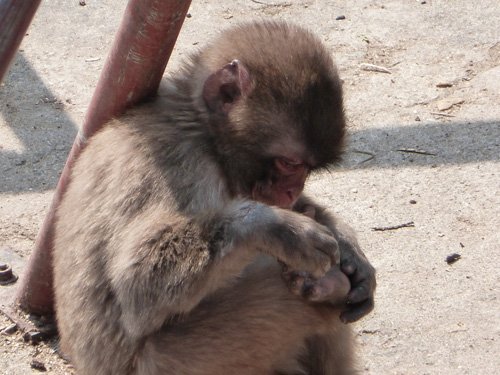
271	49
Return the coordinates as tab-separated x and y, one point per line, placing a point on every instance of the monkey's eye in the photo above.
287	165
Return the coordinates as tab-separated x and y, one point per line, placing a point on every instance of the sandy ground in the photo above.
431	317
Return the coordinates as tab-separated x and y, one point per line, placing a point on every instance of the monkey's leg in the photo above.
331	353
255	326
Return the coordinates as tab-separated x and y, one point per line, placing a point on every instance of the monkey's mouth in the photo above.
268	193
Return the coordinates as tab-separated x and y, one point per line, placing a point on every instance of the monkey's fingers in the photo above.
356	311
360	300
358	294
314	263
328	245
348	268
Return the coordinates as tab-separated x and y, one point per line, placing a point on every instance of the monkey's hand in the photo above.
294	239
336	287
361	274
353	263
302	243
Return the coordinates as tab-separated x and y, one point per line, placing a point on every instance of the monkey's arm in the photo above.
353	262
167	264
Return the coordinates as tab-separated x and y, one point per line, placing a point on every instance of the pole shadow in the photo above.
36	118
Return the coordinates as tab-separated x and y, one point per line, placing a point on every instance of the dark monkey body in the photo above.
168	237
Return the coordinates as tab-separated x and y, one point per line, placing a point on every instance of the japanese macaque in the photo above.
184	244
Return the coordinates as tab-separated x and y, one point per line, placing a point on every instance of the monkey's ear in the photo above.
224	87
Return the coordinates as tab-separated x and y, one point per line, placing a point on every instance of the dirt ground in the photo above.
424	149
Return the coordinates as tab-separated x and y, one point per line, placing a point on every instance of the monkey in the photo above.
184	243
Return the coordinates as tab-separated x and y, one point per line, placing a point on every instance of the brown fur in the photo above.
156	249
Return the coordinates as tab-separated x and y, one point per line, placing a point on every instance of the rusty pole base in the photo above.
26	323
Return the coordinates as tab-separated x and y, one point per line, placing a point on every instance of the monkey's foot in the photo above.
333	287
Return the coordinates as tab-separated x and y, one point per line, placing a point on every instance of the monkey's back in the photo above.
113	180
150	161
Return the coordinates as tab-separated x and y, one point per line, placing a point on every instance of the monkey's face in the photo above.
271	137
276	113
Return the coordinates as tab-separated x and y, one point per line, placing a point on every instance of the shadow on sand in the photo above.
40	124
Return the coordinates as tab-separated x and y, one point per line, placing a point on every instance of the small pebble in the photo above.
10	329
444	84
413	201
339	18
447	103
37	365
188	15
82	3
417	118
452	258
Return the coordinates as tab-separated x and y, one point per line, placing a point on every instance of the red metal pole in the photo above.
133	70
15	17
